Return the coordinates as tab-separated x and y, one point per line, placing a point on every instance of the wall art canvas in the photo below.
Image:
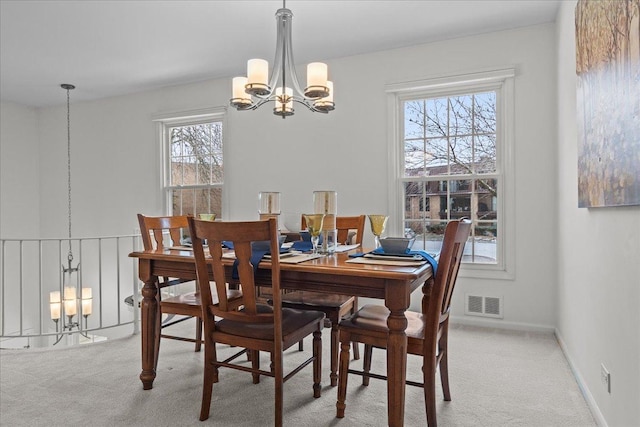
608	102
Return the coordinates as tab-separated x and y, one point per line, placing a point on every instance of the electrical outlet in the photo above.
605	377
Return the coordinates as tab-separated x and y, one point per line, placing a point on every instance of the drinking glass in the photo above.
378	222
314	225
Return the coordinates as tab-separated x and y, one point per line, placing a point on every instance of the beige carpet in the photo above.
498	378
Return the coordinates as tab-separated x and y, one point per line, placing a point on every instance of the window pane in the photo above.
482	245
414	199
414	119
461	157
485	112
460	115
437	117
414	158
486	199
195	201
436	156
485	153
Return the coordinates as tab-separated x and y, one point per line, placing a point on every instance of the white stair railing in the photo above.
31	269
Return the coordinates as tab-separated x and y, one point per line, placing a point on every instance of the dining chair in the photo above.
427	331
155	232
246	323
332	305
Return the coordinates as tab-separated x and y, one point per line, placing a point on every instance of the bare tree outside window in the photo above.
450	170
196	168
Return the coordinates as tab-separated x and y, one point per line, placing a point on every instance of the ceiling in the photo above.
109	48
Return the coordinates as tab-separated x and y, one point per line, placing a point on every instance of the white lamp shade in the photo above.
238	87
54	296
70	308
55	309
86	293
257	71
87	306
69	293
317	74
269	202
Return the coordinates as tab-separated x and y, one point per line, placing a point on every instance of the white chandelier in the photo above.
256	89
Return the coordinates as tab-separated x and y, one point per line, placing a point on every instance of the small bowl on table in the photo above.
396	245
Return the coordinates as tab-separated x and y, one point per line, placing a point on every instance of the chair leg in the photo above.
317	362
255	364
276	363
198	334
366	365
342	378
356	350
210	377
300	345
429	379
444	361
334	354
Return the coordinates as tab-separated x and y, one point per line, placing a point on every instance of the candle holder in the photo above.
269	205
326	203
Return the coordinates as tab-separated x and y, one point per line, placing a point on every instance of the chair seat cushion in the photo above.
292	321
374	317
318	299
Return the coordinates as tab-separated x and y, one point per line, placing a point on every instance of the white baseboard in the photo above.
500	324
591	402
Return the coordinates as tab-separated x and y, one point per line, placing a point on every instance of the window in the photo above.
193	164
450	145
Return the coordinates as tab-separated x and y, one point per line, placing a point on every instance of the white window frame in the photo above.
502	81
165	121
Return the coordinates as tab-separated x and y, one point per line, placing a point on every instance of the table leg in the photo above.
396	354
149	317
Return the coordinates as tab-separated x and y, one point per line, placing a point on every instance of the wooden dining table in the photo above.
333	274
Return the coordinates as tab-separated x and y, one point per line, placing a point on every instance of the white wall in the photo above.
19	172
116	168
598	268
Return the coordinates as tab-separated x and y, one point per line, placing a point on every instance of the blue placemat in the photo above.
425	255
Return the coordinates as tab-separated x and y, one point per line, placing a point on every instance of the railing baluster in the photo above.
21	291
100	277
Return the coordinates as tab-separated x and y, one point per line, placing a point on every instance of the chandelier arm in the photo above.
309	105
289	63
278	68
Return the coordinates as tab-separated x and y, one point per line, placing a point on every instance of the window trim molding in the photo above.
500	80
185	118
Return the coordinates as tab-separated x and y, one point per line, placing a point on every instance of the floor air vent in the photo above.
477	305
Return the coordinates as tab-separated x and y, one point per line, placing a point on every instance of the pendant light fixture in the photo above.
70	302
283	88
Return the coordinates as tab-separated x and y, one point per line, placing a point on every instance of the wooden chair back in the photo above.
241	234
436	307
157	226
345	224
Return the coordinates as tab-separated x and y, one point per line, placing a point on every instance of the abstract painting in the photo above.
608	102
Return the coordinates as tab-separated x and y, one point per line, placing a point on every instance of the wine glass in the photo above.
378	222
314	225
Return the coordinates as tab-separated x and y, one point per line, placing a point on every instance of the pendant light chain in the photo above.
68	87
